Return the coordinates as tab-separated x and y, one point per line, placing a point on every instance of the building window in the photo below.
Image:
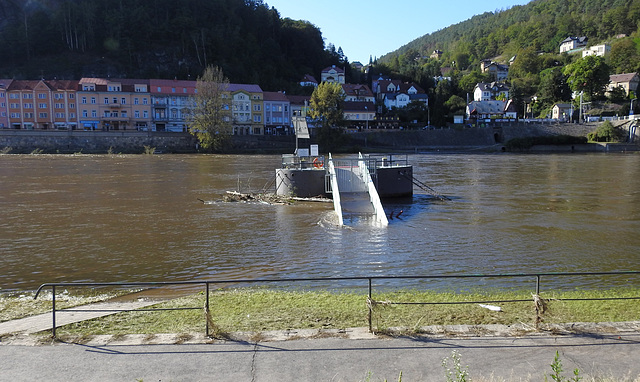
72	106
42	105
93	100
42	115
27	105
72	96
124	114
94	113
42	96
136	114
27	96
145	114
123	101
84	100
145	101
136	101
85	114
106	100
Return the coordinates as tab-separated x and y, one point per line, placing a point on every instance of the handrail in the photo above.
335	191
370	301
374	198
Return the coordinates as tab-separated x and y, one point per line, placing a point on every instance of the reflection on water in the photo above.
140	218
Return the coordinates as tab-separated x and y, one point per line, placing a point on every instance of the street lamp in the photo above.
366	117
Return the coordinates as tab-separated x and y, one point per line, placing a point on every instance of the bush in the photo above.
606	132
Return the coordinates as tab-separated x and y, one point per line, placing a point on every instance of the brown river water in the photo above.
112	218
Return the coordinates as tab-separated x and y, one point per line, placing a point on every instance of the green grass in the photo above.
256	310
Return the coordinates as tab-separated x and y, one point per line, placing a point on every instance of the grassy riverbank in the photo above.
256	310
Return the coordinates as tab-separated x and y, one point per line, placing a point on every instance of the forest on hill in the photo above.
70	39
527	38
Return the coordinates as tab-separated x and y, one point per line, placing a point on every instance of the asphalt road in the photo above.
327	359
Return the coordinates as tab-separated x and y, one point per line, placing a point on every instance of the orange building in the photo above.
41	104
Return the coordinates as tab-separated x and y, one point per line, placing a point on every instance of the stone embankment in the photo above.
491	137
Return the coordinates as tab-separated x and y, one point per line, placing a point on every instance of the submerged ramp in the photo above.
355	197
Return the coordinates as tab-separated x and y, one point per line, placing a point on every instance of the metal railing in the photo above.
374	198
371	302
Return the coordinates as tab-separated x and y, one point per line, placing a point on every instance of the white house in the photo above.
597	50
562	111
572	43
490	91
332	74
398	94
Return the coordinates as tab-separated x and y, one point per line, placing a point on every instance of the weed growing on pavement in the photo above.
453	370
557	376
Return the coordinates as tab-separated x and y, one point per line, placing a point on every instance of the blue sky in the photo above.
376	27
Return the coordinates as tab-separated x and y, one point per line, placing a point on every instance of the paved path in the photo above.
44	321
327	359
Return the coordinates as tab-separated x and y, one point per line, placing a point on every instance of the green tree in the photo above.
624	56
589	74
327	104
456	105
553	86
210	117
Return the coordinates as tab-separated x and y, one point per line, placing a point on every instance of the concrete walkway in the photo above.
492	353
38	323
488	359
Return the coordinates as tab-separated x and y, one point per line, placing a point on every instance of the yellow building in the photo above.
247	104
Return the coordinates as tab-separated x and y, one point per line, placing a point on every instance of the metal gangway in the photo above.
355	197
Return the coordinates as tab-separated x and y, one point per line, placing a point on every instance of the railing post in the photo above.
206	312
53	310
538	285
370	304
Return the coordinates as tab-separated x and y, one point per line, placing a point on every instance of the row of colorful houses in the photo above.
135	104
106	104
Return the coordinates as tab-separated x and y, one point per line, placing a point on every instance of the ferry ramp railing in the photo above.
364	282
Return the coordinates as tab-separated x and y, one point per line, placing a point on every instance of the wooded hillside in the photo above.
158	39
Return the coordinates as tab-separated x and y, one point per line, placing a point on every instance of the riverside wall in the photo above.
458	138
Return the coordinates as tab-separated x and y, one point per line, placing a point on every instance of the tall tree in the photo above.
327	104
210	117
589	74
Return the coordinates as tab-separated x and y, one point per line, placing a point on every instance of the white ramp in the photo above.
355	197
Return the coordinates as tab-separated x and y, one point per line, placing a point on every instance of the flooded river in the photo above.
113	218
